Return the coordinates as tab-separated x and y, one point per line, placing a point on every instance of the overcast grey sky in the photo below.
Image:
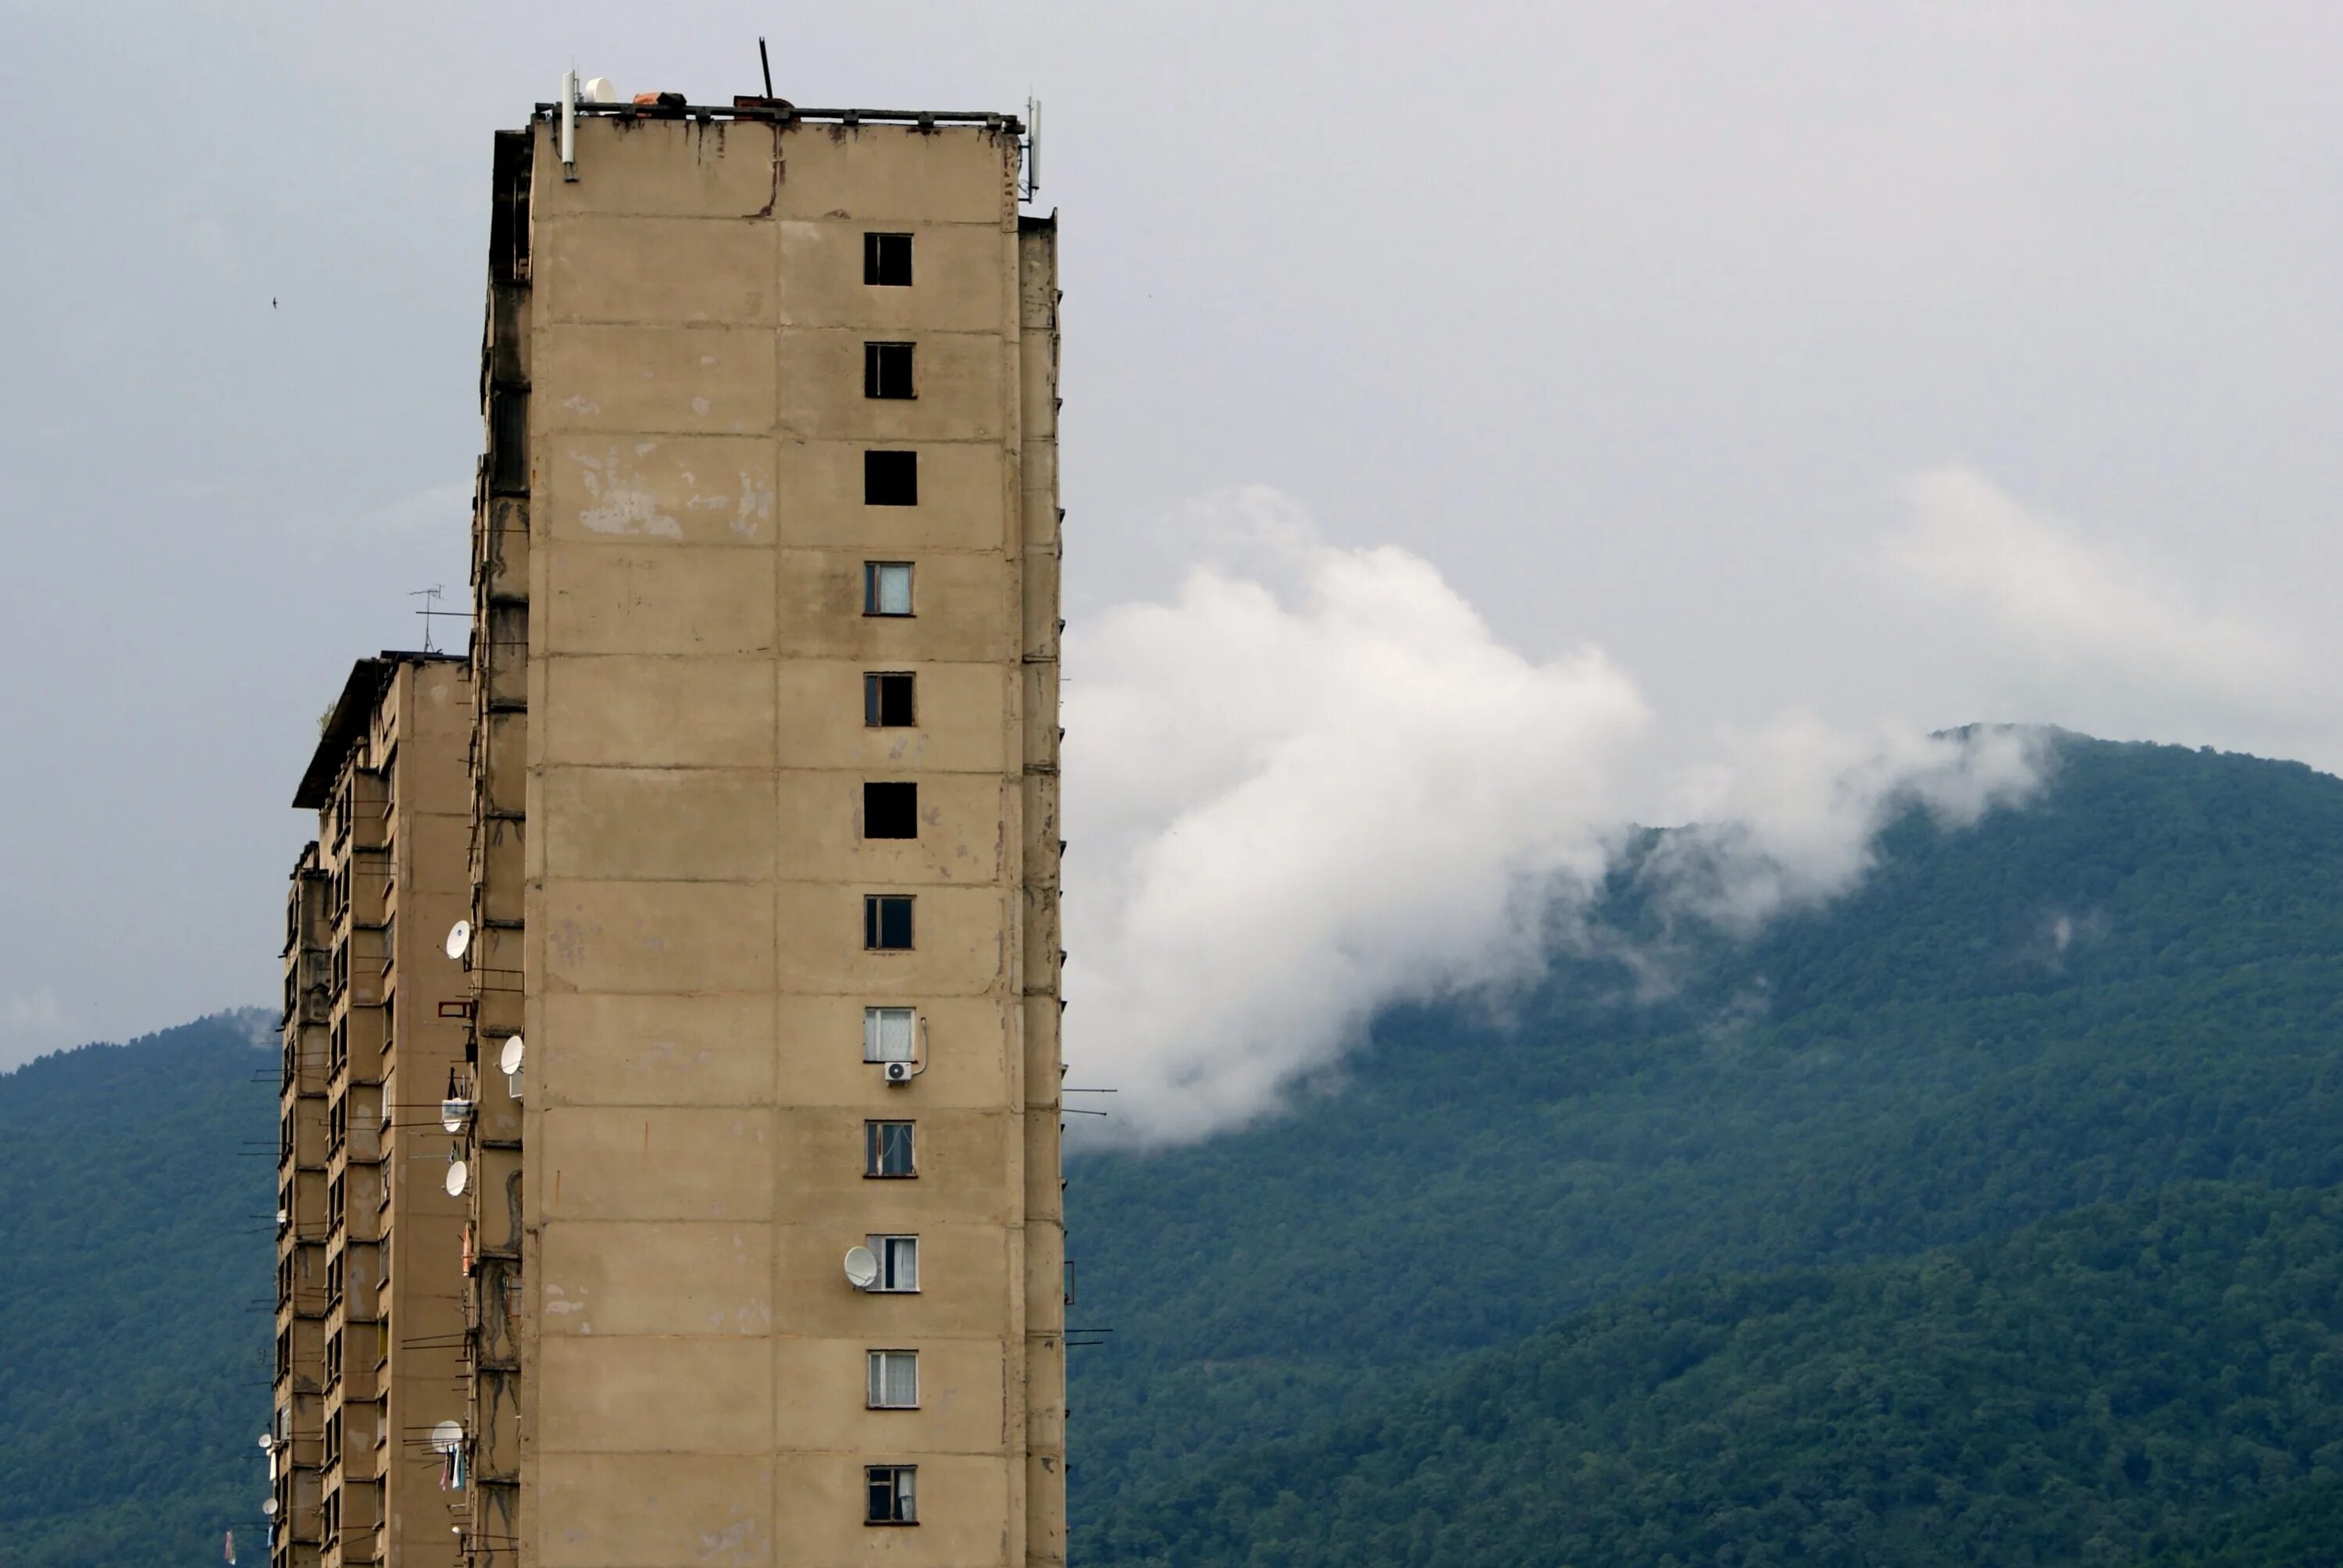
1882	363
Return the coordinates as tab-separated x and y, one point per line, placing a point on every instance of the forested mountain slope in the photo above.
2136	979
2096	1384
135	1264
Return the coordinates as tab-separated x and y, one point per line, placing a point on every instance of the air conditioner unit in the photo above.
901	1071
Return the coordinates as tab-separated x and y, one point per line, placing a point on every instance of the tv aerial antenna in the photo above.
431	611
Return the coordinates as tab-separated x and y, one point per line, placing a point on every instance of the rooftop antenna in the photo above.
569	124
1033	146
430	610
765	62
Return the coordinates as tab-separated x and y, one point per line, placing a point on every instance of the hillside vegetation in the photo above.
2300	1529
2089	1385
2133	982
135	1264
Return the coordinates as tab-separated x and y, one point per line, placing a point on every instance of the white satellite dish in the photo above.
510	1060
446	1436
266	1442
284	1218
460	939
861	1268
596	90
269	1508
457	1175
454	1113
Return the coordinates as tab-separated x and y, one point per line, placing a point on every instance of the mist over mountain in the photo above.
1665	1204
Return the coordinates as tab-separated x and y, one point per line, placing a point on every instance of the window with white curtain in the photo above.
887	1034
898	1263
894	1380
886	587
887	1148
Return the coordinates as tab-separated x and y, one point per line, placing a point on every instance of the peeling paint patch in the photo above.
622	503
730	1544
756	506
700	406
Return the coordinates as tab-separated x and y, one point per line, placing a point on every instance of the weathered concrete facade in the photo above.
369	1327
763	800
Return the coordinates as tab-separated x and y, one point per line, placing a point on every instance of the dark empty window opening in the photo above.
507	441
886	587
887	370
887	259
891	810
891	478
887	700
886	922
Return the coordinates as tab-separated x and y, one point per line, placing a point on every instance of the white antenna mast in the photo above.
569	124
1033	146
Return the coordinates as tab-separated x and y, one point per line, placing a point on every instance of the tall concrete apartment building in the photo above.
369	1325
761	1258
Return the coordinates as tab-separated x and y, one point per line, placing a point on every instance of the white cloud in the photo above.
1790	818
1308	790
2073	609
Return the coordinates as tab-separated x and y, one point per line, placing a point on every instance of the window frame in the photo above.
902	1494
874	698
874	1019
890	371
885	1247
877	1146
875	909
875	577
879	1368
875	255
